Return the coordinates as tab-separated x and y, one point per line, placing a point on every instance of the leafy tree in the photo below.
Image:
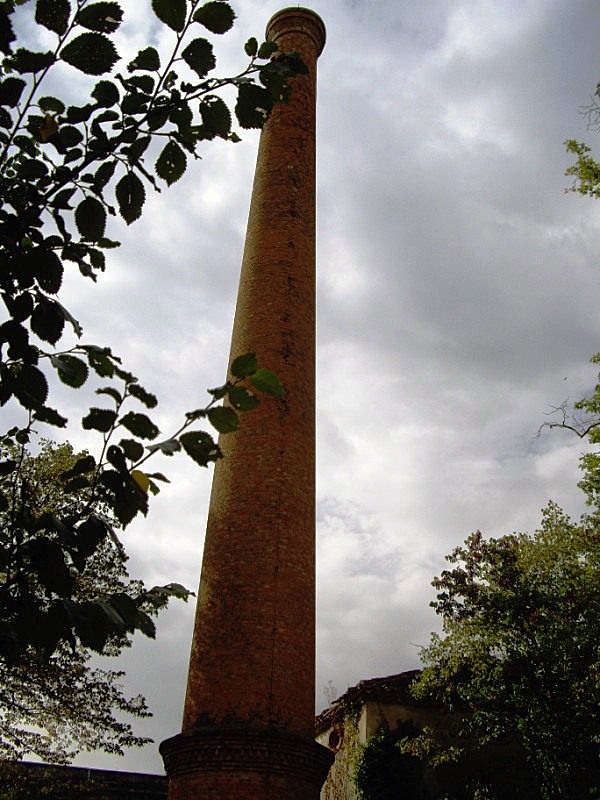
72	704
66	170
519	660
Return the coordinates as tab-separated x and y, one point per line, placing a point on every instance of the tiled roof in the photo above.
391	689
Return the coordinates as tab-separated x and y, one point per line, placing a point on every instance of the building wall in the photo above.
347	736
344	739
501	762
27	780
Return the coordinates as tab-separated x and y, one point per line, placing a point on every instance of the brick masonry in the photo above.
253	651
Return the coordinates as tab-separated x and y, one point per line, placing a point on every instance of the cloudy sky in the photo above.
458	292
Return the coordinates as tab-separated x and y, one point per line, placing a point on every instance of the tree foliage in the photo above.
586	170
66	169
53	684
68	172
519	659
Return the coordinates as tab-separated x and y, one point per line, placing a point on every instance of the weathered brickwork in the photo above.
253	650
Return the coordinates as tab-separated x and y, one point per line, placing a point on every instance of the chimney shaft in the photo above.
248	720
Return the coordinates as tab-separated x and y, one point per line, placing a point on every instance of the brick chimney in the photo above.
248	724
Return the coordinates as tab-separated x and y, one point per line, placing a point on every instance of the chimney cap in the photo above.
295	19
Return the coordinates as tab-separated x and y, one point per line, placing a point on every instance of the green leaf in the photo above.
71	370
106	94
200	446
244	365
97	259
145	625
7	467
157	117
219	392
82	466
241	399
73	155
140	425
92	53
103	174
51	104
134	104
90	218
61	199
20	306
47	268
104	17
106	116
48	561
253	105
99	419
78	330
182	117
217	17
171	163
111	392
276	73
30	169
133	449
267	49
90	624
108	243
251	47
53	14
145	83
79	113
266	381
159	477
116	457
215	116
18	338
114	621
7	34
171	12
28	61
92	530
99	359
148	399
51	417
130	195
179	591
199	56
129	500
30	386
11	90
137	149
147	59
70	136
223	418
47	320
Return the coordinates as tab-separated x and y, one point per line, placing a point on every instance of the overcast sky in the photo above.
458	297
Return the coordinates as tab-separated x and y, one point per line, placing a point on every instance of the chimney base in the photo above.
244	764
